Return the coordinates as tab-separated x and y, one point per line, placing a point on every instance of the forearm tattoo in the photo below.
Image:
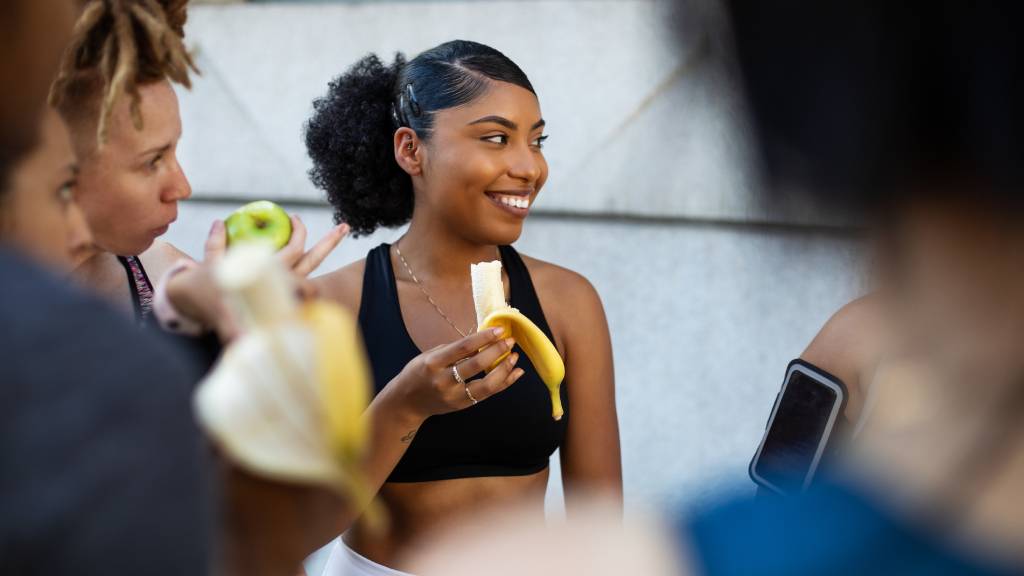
408	437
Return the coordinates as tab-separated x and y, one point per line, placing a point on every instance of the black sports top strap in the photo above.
522	295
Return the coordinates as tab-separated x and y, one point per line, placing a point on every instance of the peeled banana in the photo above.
492	311
286	400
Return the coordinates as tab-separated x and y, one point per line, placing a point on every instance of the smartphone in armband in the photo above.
802	424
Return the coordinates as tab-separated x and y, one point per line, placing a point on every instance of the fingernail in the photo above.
217	224
513	358
519	373
343	228
498	331
510	343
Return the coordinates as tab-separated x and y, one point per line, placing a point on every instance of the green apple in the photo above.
260	221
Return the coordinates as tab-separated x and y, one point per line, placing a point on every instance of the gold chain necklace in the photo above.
427	294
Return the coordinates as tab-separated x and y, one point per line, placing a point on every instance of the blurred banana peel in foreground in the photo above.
286	400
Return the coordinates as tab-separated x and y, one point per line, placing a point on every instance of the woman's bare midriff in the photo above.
416	509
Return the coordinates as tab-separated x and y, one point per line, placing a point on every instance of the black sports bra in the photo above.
509	434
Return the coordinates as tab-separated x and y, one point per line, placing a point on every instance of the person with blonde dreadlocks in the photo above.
115	91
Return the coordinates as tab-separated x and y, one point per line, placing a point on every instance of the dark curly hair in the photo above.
350	135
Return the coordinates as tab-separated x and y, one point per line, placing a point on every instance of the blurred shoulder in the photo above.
160	257
75	330
853	330
849	345
81	380
344	285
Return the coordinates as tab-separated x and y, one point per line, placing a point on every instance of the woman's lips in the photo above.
515	204
163	229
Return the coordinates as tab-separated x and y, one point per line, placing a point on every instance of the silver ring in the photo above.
457	376
470	395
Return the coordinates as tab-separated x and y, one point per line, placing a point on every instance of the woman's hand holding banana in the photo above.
428	385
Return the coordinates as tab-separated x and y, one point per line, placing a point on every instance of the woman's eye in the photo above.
66	193
539	142
155	162
497	139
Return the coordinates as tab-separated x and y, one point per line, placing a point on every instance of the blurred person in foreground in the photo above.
28	63
38	212
121	468
910	111
100	476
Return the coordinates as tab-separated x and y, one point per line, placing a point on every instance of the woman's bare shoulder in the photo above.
570	303
159	258
850	343
344	285
560	284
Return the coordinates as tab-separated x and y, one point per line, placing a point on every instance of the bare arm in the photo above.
591	458
848	347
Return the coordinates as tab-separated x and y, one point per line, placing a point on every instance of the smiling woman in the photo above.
374	110
451	142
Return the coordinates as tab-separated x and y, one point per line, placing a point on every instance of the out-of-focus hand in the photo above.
293	255
195	294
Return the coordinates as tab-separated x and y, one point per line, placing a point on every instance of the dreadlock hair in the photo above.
117	46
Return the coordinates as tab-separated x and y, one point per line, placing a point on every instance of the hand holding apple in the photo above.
264	221
194	297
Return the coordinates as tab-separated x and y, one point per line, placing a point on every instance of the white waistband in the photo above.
344	561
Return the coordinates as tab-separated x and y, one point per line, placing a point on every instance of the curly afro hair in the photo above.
350	135
349	140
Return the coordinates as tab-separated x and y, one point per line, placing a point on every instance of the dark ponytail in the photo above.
350	136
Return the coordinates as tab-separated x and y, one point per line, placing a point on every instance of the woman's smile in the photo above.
515	203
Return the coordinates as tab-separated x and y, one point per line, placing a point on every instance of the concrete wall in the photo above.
652	195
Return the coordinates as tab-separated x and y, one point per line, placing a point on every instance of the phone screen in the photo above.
798	429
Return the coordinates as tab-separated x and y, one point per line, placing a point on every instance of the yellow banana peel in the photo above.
286	401
492	311
343	377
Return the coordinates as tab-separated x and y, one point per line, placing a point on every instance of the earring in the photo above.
409	146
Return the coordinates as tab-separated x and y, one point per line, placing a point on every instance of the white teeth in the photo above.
514	202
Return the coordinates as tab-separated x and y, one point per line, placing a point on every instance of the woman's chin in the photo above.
503	234
129	248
